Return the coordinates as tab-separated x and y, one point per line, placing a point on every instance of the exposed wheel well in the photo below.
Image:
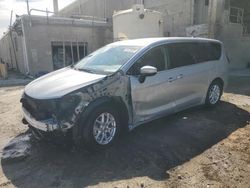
219	80
115	102
118	103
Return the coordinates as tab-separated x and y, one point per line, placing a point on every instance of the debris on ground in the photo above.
17	149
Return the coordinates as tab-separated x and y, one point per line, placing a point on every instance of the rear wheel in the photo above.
101	129
214	93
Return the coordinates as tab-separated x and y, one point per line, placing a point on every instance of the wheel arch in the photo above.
215	80
115	102
219	80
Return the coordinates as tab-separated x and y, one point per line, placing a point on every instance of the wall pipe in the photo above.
25	55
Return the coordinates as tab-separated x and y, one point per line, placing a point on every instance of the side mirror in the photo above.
146	71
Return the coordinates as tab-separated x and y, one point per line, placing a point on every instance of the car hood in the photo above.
60	83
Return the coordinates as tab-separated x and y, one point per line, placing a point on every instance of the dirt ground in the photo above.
200	147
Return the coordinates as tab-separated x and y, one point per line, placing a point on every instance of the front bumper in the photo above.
47	125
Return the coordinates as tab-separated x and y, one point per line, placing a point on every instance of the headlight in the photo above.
22	97
68	103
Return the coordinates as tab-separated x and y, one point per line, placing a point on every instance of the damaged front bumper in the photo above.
47	125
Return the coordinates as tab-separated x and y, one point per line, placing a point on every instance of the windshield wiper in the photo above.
86	70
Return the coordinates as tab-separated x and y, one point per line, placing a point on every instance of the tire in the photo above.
96	133
214	93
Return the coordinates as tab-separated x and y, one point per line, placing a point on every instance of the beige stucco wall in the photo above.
149	25
177	15
236	45
11	51
39	36
6	51
97	8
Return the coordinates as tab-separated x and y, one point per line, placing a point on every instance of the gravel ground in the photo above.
199	147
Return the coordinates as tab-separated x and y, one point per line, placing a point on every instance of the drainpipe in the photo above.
28	7
12	42
79	8
55	5
14	49
105	9
192	9
25	53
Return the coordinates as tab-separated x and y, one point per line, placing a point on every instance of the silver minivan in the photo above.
123	85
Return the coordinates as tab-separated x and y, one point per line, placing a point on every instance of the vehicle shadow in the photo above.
149	150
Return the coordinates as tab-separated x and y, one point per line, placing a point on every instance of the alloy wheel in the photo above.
214	94
104	128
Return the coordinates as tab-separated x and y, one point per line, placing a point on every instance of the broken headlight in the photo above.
69	103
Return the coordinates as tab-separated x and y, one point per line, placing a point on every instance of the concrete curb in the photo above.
14	82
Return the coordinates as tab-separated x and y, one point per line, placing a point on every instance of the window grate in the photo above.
67	53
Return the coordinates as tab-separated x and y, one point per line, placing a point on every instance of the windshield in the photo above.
107	60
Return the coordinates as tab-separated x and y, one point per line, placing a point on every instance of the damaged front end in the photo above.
50	115
63	113
39	113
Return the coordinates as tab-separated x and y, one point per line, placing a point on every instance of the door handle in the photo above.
180	76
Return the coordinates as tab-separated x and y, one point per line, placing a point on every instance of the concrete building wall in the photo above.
39	38
19	52
177	15
218	26
10	51
5	53
209	17
30	48
148	23
97	8
236	45
200	11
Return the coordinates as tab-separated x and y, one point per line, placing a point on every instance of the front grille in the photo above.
39	109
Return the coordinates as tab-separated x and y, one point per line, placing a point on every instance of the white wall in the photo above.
177	15
39	37
10	53
237	46
124	22
97	8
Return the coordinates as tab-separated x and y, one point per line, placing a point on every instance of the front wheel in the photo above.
102	128
214	93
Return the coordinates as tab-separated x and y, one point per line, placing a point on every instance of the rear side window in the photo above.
180	54
188	53
208	51
215	50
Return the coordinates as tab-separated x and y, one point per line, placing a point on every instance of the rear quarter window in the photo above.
180	54
208	51
188	53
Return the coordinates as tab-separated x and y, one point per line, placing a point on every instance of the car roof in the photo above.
149	41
